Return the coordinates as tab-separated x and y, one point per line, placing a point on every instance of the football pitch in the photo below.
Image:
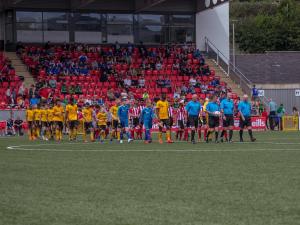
45	183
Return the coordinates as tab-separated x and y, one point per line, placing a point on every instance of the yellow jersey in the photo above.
114	112
29	115
204	105
58	114
50	115
163	109
101	118
44	115
87	114
72	112
37	114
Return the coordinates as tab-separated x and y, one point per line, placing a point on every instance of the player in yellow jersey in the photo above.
44	122
30	122
58	118
72	119
50	127
102	122
162	111
37	121
87	113
115	132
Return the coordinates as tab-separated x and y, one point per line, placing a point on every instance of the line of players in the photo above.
125	118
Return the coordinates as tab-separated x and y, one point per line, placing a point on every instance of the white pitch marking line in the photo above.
91	143
149	150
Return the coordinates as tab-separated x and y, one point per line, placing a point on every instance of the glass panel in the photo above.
29	26
88	37
9	32
56	36
153	34
119	29
153	19
119	19
120	33
55	21
182	34
186	20
30	36
29	16
87	21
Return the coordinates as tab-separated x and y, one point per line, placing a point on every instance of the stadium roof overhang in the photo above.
138	6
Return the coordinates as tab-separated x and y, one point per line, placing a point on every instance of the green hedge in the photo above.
276	28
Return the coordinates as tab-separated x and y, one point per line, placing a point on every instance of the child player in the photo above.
101	123
72	119
123	114
146	118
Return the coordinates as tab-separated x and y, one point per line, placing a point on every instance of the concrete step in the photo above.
21	68
224	77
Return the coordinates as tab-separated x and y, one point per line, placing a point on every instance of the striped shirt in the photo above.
181	113
135	112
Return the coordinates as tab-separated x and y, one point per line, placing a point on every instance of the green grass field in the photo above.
136	184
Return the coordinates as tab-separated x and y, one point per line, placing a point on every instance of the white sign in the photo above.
261	93
297	93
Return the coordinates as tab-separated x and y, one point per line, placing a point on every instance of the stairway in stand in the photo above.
21	69
220	72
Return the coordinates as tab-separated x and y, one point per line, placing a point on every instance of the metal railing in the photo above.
232	71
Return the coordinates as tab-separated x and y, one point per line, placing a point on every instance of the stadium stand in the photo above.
93	72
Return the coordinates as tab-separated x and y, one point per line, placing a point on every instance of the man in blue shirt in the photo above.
123	114
254	93
146	118
227	110
272	115
193	109
244	108
34	100
213	110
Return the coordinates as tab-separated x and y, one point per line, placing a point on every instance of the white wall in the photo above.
214	24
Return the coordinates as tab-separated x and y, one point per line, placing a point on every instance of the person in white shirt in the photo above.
193	81
141	82
127	82
158	66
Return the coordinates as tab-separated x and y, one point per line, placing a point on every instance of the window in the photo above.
153	34
29	26
119	19
152	19
35	17
182	20
87	21
182	34
55	21
122	33
119	29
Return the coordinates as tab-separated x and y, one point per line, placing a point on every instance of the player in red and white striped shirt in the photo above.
134	113
180	118
140	128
